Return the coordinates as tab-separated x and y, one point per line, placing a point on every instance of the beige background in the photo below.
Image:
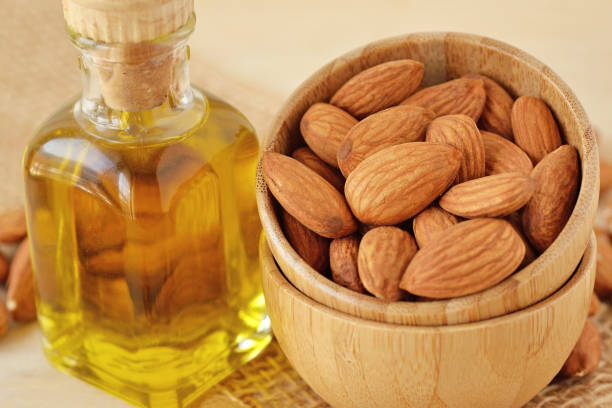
254	53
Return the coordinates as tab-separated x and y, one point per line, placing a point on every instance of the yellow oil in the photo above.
145	253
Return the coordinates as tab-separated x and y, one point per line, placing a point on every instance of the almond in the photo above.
490	196
603	279
530	254
400	124
307	157
469	257
197	279
343	261
556	180
594	306
398	182
4	267
461	132
534	127
586	355
605	175
313	248
110	297
497	109
460	96
145	266
3	319
323	128
308	197
503	156
107	263
430	222
379	87
384	254
20	300
98	225
12	225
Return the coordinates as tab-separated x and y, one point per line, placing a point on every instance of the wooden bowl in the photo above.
445	55
353	362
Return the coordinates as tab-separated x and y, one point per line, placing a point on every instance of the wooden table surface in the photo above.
254	54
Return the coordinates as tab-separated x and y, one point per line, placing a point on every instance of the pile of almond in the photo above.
17	274
439	192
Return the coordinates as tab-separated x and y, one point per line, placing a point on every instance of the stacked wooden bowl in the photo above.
495	348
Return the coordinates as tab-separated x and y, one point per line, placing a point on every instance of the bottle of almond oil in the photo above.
142	216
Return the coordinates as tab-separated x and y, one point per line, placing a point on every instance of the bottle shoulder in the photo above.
217	116
64	151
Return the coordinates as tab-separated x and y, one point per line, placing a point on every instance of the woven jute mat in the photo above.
269	381
39	72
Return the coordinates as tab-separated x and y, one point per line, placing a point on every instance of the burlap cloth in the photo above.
38	72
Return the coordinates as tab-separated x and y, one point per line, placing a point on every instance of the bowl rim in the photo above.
477	306
585	270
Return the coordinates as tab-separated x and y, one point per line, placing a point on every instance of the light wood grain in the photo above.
501	363
445	55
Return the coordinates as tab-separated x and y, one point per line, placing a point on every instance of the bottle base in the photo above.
187	390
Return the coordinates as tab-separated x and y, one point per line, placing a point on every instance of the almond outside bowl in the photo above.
358	363
446	56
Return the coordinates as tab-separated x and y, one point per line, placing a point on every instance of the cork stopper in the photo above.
134	68
126	21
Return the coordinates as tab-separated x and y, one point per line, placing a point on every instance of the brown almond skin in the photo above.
586	355
491	196
400	124
4	267
109	263
98	225
530	254
20	300
313	248
603	278
461	132
323	128
497	109
465	96
379	87
534	127
192	282
307	196
307	157
110	296
503	156
556	180
398	182
3	319
605	175
343	262
12	225
469	257
430	222
384	254
594	306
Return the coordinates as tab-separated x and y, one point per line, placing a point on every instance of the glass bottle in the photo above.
140	199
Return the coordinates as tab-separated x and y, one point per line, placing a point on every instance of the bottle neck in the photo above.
137	90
